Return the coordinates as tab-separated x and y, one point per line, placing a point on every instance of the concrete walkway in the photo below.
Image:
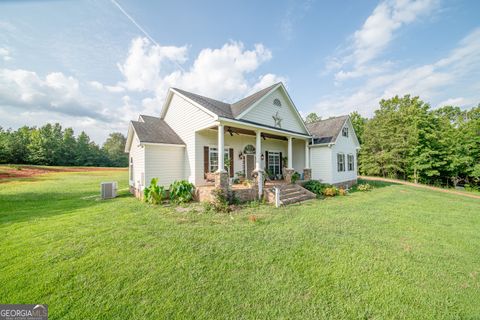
465	194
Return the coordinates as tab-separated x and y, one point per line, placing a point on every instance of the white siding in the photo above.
138	154
298	155
264	111
165	163
185	118
321	163
345	145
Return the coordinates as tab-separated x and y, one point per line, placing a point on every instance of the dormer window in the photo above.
277	103
345	132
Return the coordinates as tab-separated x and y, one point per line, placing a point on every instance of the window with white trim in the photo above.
213	158
351	162
274	163
131	168
345	132
340	162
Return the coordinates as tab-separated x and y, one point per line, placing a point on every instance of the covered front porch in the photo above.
239	156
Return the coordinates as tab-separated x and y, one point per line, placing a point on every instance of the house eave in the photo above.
259	126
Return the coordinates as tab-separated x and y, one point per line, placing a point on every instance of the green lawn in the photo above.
395	252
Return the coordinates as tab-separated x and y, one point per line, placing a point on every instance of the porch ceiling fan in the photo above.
229	130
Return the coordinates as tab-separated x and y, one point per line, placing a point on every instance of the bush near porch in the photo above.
394	252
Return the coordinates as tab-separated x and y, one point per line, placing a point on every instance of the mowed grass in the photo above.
396	252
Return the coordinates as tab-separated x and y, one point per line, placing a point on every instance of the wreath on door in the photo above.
249	149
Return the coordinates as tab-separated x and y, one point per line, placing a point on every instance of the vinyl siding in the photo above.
185	118
138	155
238	143
165	163
298	155
345	145
264	111
321	163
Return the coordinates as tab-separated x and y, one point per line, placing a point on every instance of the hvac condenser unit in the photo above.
109	190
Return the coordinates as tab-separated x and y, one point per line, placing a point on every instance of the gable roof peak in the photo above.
224	109
245	103
327	130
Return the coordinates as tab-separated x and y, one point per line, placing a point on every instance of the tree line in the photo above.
407	139
53	145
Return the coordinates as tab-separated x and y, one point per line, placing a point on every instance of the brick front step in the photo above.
289	193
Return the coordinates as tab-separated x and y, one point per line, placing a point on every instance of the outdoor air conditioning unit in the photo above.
109	190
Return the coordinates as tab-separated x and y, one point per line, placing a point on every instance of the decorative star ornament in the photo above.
278	120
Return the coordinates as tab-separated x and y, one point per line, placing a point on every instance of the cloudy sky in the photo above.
95	65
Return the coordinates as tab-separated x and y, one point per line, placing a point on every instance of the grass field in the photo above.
395	252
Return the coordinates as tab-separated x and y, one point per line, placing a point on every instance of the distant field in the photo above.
397	252
11	172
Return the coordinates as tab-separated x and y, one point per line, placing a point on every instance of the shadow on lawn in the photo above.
26	206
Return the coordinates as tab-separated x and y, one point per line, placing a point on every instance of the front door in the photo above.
249	165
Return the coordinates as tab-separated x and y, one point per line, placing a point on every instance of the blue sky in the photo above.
95	65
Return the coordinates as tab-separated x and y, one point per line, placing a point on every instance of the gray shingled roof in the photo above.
155	130
326	131
218	107
242	105
225	109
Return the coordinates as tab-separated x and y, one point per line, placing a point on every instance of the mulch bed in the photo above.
7	172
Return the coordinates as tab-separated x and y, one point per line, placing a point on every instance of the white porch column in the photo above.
307	155
221	149
258	151
290	156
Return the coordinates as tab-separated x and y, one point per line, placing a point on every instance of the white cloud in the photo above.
145	62
100	86
225	73
375	35
459	101
222	73
429	81
266	81
5	54
25	90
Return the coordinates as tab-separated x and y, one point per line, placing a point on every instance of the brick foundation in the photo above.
345	184
243	195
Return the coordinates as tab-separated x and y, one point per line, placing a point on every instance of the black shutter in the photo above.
266	160
205	161
230	152
281	164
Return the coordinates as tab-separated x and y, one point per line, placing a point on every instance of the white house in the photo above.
333	152
194	136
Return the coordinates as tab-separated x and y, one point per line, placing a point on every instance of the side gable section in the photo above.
352	139
265	109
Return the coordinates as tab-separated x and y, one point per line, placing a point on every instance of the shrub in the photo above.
469	187
316	186
295	177
219	202
330	191
364	187
342	192
154	193
181	191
